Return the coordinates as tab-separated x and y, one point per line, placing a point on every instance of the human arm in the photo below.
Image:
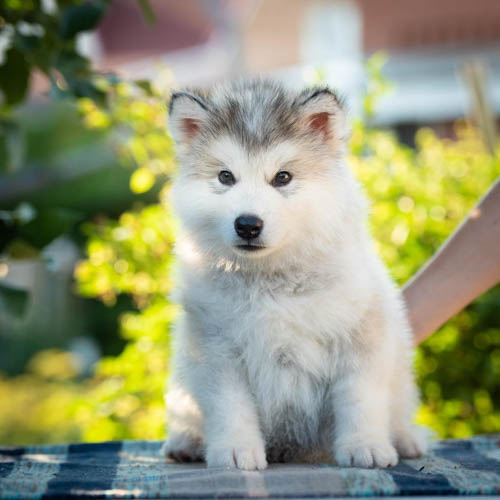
467	265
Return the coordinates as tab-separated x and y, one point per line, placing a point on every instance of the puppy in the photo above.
293	344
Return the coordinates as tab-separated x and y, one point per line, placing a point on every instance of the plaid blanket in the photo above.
134	469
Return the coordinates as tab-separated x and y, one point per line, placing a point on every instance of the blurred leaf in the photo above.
377	84
85	87
20	249
63	4
145	85
53	364
14	77
14	10
80	17
147	11
26	43
142	180
69	62
38	51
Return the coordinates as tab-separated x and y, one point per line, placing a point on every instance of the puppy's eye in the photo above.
226	178
281	179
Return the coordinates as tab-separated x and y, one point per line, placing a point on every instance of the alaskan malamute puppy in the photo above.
293	343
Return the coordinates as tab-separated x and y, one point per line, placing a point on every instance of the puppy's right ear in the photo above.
187	114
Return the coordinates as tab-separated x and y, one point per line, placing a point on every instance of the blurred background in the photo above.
86	231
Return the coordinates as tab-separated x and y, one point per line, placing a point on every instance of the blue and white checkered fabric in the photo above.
134	469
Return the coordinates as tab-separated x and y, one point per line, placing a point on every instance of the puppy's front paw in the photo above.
366	454
411	443
240	457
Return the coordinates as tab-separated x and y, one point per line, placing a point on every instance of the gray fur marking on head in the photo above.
256	112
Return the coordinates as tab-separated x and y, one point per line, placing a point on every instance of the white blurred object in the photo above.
29	29
85	352
49	6
62	254
5	41
89	45
50	307
332	30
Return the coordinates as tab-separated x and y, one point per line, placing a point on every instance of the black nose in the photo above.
248	226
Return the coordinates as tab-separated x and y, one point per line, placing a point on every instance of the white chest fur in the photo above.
288	336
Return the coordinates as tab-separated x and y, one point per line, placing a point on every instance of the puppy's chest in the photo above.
287	339
285	342
289	371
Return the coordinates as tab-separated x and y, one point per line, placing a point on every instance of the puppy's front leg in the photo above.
361	410
232	432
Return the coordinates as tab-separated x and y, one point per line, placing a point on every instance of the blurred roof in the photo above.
410	24
202	41
125	35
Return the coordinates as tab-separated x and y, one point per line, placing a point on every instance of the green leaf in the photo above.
14	77
146	86
81	17
26	43
85	87
147	11
20	249
69	62
63	4
142	180
15	10
35	50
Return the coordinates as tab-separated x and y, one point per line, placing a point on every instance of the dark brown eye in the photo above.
282	178
226	178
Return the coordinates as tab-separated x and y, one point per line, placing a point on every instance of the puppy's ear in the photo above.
323	114
187	114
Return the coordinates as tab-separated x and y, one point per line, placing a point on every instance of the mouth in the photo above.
250	248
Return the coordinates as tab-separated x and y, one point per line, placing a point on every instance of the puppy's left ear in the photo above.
188	112
323	114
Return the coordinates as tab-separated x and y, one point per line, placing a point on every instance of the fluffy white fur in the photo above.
302	350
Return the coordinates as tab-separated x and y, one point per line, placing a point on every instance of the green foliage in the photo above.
43	39
46	41
377	84
136	116
39	39
131	255
125	399
14	89
80	17
37	403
